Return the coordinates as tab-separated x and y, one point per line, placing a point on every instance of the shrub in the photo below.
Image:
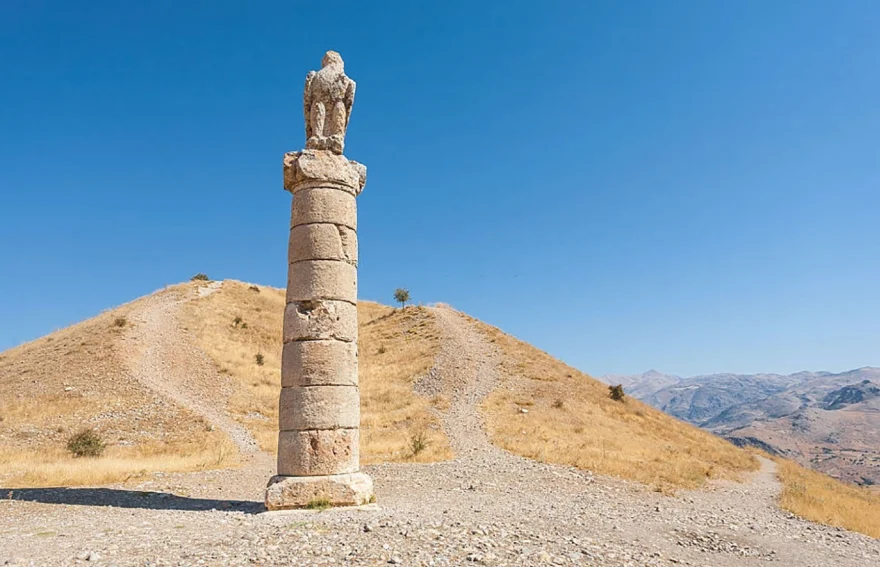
86	443
401	296
258	358
120	322
558	404
381	350
318	504
254	288
616	393
418	442
200	277
244	326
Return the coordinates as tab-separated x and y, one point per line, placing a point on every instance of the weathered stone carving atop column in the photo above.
319	409
312	168
327	102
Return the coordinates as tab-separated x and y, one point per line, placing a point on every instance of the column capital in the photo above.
322	168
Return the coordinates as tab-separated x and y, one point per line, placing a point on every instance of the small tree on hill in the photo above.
616	393
401	296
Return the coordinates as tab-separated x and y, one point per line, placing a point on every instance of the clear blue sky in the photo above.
688	186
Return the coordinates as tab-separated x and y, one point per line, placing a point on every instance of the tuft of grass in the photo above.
200	277
381	349
820	498
237	321
120	322
558	404
318	504
259	359
418	442
616	393
86	443
254	289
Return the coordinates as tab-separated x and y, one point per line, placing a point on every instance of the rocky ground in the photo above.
486	507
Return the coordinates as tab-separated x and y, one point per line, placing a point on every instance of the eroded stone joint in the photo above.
319	362
320	319
308	169
323	204
322	279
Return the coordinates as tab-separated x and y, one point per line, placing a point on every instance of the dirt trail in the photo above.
485	507
468	367
162	357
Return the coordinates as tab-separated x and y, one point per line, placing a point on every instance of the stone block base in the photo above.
290	492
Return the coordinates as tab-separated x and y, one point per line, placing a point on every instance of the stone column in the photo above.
319	410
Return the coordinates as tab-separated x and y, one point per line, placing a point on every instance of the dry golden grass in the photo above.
56	467
53	385
395	347
820	498
572	420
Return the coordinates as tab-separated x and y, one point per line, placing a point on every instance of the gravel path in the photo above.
486	507
162	357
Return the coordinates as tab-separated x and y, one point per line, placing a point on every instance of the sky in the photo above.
682	185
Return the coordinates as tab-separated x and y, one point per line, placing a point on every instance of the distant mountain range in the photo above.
828	421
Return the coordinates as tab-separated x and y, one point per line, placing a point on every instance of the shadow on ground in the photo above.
127	499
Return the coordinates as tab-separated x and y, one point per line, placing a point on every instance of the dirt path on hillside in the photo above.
468	367
485	507
162	357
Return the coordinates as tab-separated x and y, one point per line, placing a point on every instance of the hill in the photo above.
182	385
827	421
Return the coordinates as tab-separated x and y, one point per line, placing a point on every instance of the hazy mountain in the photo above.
829	421
642	385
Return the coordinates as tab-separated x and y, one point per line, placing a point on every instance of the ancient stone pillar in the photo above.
319	411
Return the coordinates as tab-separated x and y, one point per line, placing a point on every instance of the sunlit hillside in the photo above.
224	344
241	321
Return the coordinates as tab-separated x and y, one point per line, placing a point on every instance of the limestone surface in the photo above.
324	205
318	451
318	168
319	407
323	241
318	319
322	279
319	363
334	490
327	101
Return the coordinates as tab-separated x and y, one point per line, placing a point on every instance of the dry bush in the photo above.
390	410
820	498
200	277
591	431
86	443
418	442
